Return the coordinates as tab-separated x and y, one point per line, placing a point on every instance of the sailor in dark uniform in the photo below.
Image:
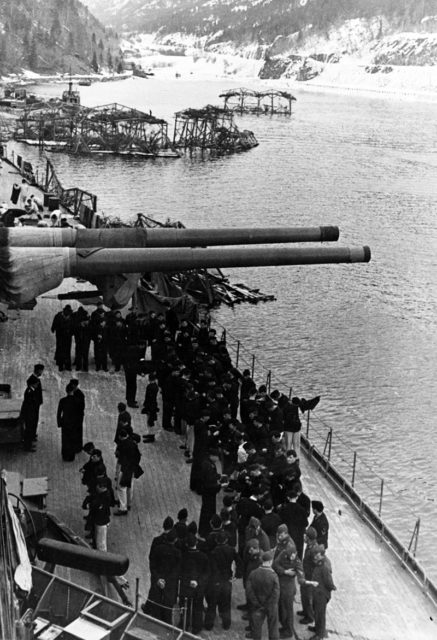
63	328
194	578
68	420
29	414
320	523
35	379
131	361
79	396
82	336
150	405
165	563
219	590
209	488
200	448
167	526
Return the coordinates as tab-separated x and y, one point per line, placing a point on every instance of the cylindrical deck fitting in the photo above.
140	237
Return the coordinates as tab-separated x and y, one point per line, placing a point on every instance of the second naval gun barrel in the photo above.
140	237
26	273
110	261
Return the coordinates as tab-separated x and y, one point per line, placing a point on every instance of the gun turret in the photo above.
26	273
141	237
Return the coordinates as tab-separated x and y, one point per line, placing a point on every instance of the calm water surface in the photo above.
361	336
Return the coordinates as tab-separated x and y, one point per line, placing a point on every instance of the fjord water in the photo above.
361	336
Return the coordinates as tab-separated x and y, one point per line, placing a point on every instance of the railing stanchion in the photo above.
415	537
354	467
237	358
380	497
137	593
308	424
328	443
269	381
416	540
290	393
253	365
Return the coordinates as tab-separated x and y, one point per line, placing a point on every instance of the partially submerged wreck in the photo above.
259	102
211	128
111	128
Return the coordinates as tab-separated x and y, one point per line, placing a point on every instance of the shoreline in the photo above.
348	78
411	96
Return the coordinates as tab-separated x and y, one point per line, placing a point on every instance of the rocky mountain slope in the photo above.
260	21
292	37
49	36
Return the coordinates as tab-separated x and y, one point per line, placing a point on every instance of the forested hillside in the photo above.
259	21
49	36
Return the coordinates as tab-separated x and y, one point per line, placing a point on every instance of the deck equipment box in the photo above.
11	424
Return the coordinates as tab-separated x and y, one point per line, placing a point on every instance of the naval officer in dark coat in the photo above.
79	396
35	379
29	414
62	327
68	419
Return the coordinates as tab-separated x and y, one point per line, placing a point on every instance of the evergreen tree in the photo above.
3	53
55	28
26	44
94	63
32	55
109	59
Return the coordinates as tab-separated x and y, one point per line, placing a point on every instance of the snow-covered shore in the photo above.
350	75
403	82
347	76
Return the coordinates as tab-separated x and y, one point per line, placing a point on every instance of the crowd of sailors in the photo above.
238	438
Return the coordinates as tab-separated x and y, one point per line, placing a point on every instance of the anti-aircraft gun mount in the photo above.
34	261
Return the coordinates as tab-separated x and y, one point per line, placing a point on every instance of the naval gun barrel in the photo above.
26	273
141	237
107	261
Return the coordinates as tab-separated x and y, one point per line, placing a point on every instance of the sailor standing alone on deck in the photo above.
35	379
69	421
29	414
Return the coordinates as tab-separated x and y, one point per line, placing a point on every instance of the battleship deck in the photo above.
376	599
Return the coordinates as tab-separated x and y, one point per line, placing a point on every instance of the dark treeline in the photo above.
53	36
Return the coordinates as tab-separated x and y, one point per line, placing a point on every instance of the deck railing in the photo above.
76	201
363	487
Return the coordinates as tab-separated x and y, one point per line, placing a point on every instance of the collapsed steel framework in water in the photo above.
259	102
114	128
111	128
211	128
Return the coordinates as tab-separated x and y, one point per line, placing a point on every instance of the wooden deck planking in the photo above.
376	599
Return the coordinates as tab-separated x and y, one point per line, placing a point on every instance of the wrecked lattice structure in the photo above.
211	128
259	102
119	129
111	128
51	122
